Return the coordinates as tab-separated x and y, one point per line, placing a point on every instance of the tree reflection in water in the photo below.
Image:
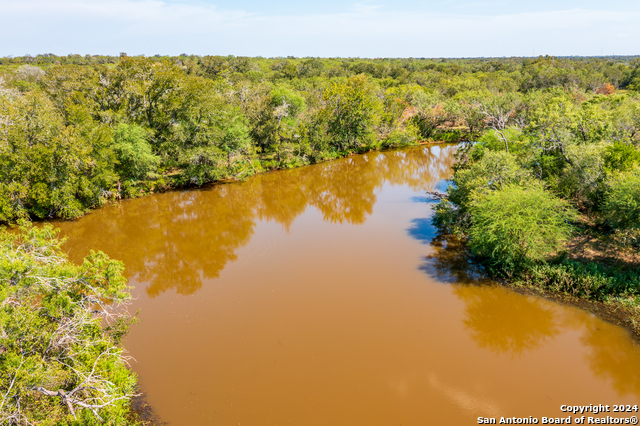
513	324
495	318
178	239
506	324
450	261
613	357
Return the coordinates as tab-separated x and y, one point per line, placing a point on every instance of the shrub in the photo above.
621	157
517	140
572	278
492	171
516	226
58	363
401	137
580	179
622	204
621	209
587	280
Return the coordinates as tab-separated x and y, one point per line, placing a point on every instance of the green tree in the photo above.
235	140
155	97
471	113
501	112
284	107
621	157
211	136
592	121
49	169
493	171
580	179
517	226
350	113
431	113
135	157
490	172
552	117
624	118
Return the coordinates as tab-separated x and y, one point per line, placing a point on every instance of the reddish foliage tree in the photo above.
605	89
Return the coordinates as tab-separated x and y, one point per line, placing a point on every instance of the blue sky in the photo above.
368	28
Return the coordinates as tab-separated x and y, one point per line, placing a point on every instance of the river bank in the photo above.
173	180
614	312
319	292
618	310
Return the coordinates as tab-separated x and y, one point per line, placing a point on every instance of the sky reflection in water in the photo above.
323	295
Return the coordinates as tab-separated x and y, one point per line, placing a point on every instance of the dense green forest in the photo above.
78	131
546	190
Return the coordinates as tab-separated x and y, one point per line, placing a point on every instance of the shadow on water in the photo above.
512	324
450	261
611	359
420	199
495	319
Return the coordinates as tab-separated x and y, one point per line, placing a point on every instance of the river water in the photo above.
322	296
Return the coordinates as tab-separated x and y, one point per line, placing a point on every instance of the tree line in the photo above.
78	131
549	195
546	190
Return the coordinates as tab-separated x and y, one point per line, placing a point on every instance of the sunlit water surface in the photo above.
319	296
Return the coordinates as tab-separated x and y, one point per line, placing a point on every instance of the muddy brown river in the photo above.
322	296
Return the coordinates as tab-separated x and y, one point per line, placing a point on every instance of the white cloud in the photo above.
365	8
156	26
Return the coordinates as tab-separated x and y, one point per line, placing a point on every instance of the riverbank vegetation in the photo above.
78	131
549	196
61	326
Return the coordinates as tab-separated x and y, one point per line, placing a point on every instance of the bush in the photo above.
622	204
400	137
517	226
518	142
581	178
621	210
587	280
621	157
572	278
58	364
294	101
491	171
